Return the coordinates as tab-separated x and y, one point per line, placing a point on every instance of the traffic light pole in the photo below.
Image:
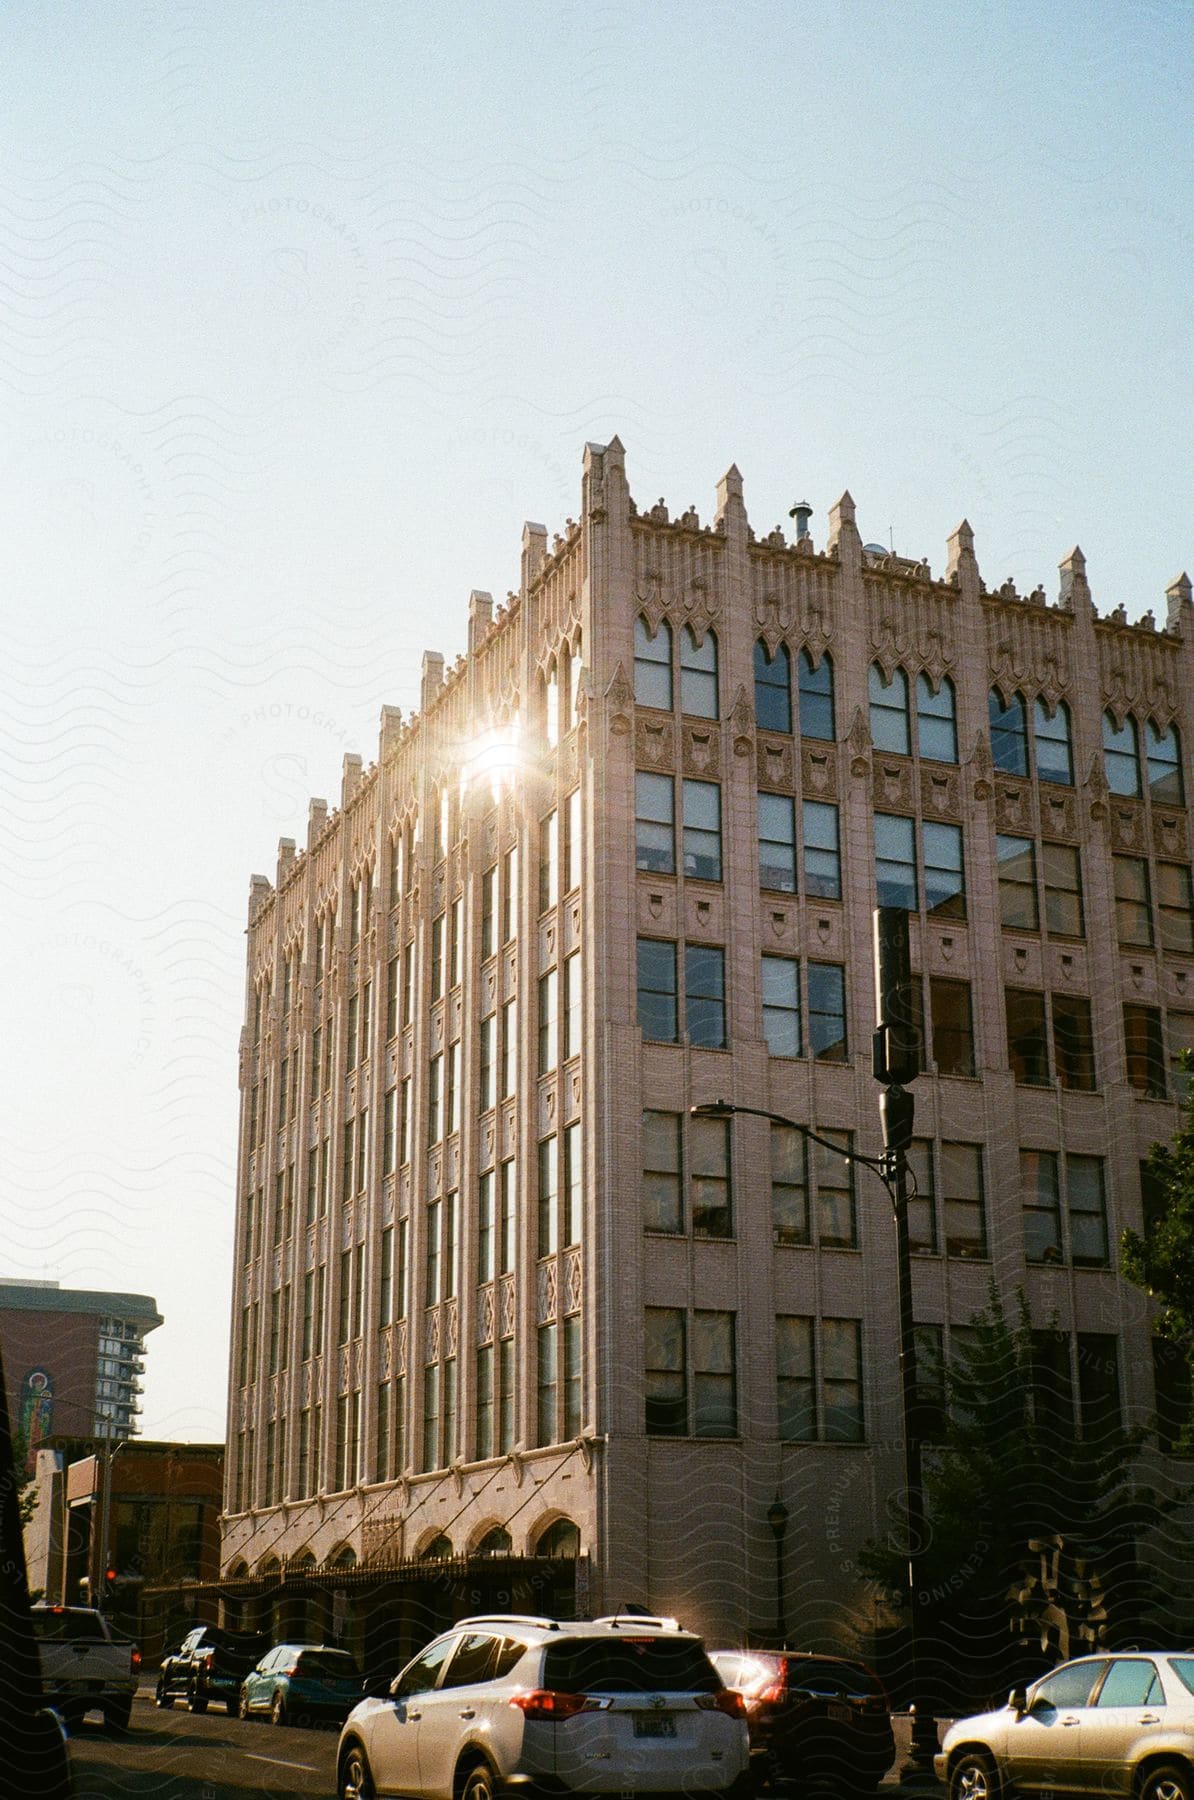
896	1061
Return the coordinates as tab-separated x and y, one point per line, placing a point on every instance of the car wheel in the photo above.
277	1711
162	1695
479	1784
1169	1781
197	1703
356	1779
233	1706
973	1777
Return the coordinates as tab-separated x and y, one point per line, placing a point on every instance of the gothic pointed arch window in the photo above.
496	1542
1051	741
1121	755
889	710
653	664
439	1549
560	1539
816	696
773	688
698	674
1163	754
1009	732
936	720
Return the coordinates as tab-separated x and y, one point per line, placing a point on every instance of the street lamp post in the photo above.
896	1112
777	1518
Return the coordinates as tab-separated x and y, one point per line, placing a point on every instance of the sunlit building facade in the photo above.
501	1304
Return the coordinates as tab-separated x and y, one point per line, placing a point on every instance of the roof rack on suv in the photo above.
658	1621
511	1619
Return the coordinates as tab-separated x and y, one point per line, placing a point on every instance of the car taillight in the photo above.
775	1690
726	1700
544	1703
134	1659
209	1659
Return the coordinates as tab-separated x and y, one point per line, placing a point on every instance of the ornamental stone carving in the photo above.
774	762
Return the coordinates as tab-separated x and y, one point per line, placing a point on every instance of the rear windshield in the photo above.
64	1625
328	1662
629	1665
832	1678
241	1643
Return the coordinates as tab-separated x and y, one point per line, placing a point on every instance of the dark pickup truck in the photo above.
208	1665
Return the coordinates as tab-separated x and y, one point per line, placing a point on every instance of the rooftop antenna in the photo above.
891	538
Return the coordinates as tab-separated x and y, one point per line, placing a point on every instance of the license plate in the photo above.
657	1725
841	1715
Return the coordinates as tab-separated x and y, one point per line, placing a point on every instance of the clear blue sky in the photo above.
305	307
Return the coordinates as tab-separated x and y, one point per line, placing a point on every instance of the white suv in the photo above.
512	1704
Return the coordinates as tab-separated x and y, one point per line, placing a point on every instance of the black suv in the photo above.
813	1719
208	1665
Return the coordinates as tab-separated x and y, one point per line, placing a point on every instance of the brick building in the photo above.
509	1323
73	1359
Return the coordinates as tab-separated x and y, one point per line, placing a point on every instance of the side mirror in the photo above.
1018	1701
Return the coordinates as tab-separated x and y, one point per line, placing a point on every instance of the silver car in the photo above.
1103	1725
510	1703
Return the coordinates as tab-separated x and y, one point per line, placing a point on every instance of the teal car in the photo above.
299	1682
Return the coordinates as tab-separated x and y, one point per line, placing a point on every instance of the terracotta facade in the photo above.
460	934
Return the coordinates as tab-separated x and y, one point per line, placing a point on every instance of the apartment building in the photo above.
73	1360
510	1325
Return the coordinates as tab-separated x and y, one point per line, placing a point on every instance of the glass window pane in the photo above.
1009	733
1121	755
895	861
1027	1049
781	1005
1088	1211
822	857
1063	889
777	843
702	830
657	1008
789	1185
1073	1042
654	804
1016	863
1164	758
936	726
827	1012
653	665
1054	758
704	996
816	697
1133	911
698	674
945	882
1175	907
773	688
953	1026
889	710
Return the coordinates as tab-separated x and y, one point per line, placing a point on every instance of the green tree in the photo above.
1016	1468
1161	1261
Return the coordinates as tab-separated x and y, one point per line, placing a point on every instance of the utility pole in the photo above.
896	1061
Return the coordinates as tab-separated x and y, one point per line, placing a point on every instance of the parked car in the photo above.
501	1702
813	1719
84	1668
302	1681
1113	1724
208	1665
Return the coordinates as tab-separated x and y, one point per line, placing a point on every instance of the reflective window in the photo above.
1054	756
1121	755
653	665
944	877
777	843
702	830
657	1009
889	710
654	823
1163	754
816	696
698	674
1016	863
936	721
822	856
1009	733
773	688
1070	1685
1131	1682
781	1005
895	861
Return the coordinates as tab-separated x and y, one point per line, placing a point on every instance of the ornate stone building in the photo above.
508	1322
